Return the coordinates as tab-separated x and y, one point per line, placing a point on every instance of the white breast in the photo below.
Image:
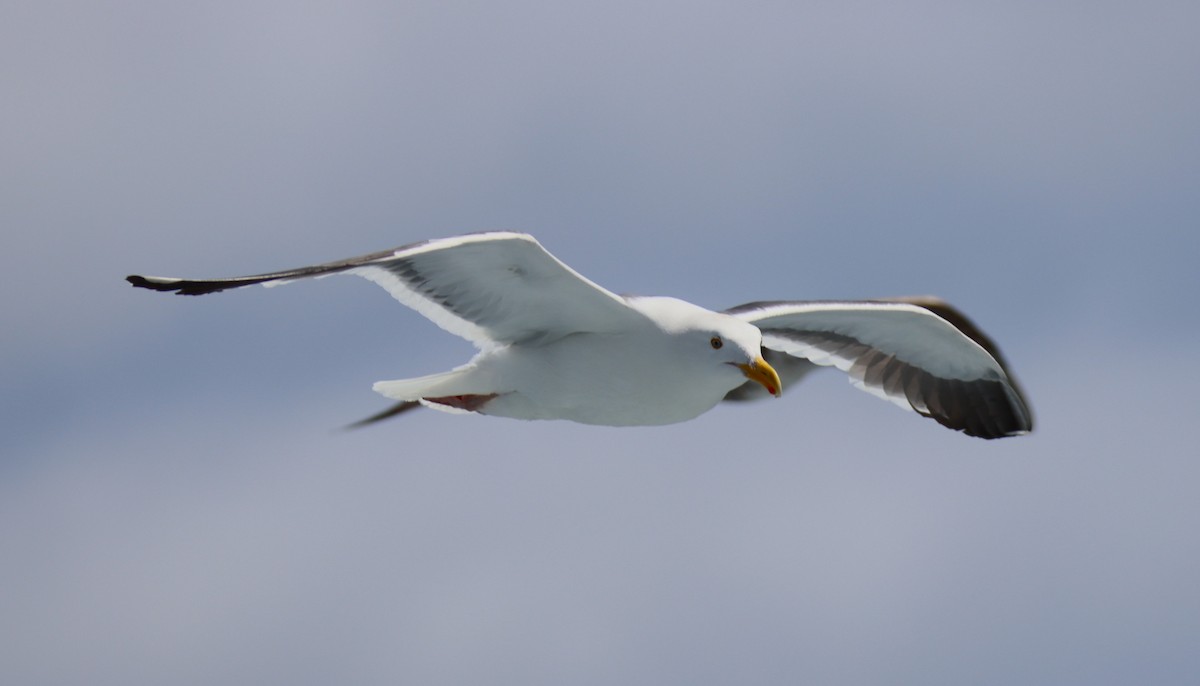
613	379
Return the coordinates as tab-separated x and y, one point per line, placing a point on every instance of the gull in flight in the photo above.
554	345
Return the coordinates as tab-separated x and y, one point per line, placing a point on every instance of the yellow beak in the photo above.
764	374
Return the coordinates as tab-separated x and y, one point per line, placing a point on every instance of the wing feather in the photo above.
921	354
490	288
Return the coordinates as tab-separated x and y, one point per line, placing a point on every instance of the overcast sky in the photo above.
177	506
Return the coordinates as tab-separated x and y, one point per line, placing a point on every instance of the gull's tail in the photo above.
458	390
454	382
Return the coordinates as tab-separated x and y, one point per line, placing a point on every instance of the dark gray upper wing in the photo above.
919	353
490	288
388	412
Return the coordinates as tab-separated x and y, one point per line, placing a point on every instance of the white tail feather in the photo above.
453	382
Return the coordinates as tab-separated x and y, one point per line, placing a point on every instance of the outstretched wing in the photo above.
920	353
490	288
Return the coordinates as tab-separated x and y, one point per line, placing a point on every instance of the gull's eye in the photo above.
716	342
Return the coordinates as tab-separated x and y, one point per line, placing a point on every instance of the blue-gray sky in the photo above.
175	506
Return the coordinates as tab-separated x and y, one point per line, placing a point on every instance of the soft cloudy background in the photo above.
177	506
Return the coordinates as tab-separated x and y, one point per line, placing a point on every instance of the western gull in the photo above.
554	345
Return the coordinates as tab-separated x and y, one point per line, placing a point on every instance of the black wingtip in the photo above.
140	281
391	411
188	286
158	283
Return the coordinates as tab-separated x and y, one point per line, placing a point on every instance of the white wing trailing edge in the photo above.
921	354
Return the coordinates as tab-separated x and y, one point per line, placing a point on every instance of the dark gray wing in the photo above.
387	413
490	288
919	353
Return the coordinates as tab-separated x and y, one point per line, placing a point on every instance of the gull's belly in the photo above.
602	379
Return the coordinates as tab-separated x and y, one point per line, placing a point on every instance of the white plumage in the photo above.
554	345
